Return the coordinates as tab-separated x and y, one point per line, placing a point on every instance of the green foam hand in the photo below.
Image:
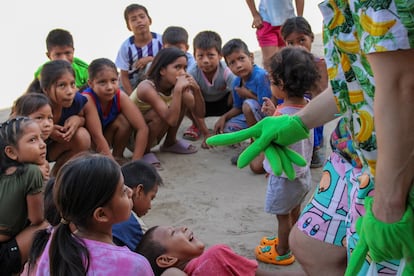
383	241
271	135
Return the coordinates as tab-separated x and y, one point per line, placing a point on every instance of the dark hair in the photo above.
133	7
82	184
42	236
175	35
29	103
11	131
98	65
295	68
296	24
161	60
234	45
140	172
151	249
51	72
58	37
206	40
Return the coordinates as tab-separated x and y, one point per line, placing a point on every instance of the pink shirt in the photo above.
106	259
221	260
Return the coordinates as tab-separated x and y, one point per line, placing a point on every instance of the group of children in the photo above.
71	108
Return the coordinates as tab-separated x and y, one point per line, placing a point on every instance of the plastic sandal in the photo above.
192	133
269	240
268	254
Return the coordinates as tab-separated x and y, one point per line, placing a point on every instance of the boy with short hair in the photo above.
138	50
215	80
143	179
59	45
176	36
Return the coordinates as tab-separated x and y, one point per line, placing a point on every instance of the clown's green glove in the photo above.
383	241
270	132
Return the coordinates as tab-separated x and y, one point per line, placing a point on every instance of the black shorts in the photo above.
10	259
219	107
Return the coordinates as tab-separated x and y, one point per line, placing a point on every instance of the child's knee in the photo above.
81	140
188	100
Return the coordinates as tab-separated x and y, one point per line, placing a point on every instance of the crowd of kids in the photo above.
64	174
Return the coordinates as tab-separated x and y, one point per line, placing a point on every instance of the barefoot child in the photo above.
144	180
164	98
117	113
90	194
21	184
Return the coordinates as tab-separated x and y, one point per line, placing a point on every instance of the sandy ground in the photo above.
218	201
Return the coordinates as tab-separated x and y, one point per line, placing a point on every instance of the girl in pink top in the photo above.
90	196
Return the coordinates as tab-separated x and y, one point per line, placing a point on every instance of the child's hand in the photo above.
219	125
268	107
142	62
71	126
45	169
57	133
183	82
243	92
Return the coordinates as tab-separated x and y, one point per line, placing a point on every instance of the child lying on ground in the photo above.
168	247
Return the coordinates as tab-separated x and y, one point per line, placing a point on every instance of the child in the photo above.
296	31
215	80
117	113
59	45
164	98
37	107
89	194
138	50
144	180
71	114
292	72
21	183
249	89
166	247
175	36
268	19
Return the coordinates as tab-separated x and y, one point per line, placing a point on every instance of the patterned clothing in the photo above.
105	259
128	53
221	85
110	113
353	29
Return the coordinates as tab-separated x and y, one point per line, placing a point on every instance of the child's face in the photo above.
120	206
180	242
207	59
105	84
182	46
174	70
299	39
138	22
63	91
240	63
30	148
142	200
61	53
44	117
277	90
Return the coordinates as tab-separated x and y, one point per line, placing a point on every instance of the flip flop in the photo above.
152	159
192	133
180	147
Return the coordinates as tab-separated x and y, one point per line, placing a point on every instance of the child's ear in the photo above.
11	152
139	190
48	55
99	215
166	261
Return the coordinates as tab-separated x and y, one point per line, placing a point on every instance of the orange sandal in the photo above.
268	254
269	240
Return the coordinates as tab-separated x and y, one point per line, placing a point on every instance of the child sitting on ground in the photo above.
144	180
176	36
138	50
168	247
250	87
215	80
59	45
163	100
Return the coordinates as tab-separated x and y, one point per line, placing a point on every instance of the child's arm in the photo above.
245	93
94	127
142	62
71	126
268	106
126	84
137	121
35	208
199	106
219	125
257	19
